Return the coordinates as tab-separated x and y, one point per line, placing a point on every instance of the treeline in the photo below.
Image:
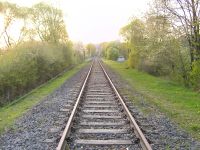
166	41
41	51
112	50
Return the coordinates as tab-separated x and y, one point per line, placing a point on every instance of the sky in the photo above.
94	21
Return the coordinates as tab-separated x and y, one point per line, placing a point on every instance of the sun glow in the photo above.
94	20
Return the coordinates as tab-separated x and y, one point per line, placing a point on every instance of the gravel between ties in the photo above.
41	127
97	117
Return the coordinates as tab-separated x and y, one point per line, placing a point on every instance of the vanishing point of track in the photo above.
100	118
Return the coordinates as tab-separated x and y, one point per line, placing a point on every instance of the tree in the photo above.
48	23
114	46
133	35
112	53
184	20
159	50
11	13
153	46
186	16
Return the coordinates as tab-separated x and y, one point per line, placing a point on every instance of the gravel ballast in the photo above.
96	133
41	127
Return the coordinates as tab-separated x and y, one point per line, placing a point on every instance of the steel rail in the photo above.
143	141
62	143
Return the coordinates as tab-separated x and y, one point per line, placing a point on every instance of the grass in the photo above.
14	110
180	104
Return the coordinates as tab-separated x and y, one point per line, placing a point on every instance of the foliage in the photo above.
114	46
133	33
195	74
41	21
29	65
133	59
156	49
11	13
112	53
42	50
184	15
18	107
184	19
48	23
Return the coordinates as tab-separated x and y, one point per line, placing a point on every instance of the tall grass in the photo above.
30	64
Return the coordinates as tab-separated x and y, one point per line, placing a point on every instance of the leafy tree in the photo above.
117	47
184	23
133	59
41	51
112	53
187	17
159	50
10	12
154	49
133	35
167	41
30	64
48	23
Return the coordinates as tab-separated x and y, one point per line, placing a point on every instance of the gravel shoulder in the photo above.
41	127
159	129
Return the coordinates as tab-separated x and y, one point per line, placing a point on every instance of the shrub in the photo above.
112	53
133	60
195	74
30	64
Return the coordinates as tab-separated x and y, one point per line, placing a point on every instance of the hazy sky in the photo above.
95	20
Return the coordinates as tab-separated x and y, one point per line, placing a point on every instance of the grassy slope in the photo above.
9	113
180	104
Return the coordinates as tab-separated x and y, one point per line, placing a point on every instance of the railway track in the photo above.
100	118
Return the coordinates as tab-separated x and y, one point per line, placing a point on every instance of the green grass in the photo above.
12	111
180	104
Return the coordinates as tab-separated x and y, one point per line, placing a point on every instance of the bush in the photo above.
112	53
30	64
195	74
133	60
